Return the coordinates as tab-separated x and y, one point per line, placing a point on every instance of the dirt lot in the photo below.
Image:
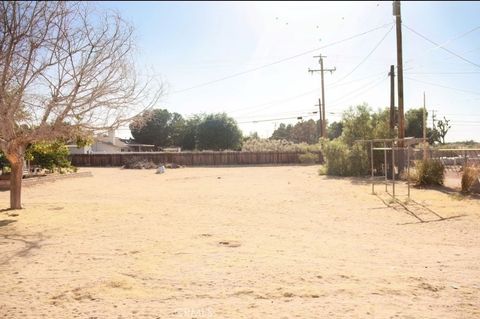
258	242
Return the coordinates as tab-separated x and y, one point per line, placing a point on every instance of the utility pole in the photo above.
433	119
320	123
425	156
401	115
323	119
392	97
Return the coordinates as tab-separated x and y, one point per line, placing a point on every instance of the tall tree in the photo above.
335	130
283	132
218	132
414	125
158	127
64	69
357	124
189	136
305	132
361	123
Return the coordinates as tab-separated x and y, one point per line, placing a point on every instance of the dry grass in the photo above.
470	175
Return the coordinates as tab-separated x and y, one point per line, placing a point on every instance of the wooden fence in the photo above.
190	158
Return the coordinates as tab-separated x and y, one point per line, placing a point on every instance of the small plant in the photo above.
308	158
322	170
429	172
470	175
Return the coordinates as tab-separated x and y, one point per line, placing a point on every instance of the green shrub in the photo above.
335	154
358	160
340	160
50	156
308	158
470	174
429	172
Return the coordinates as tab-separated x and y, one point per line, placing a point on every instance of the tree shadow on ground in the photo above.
439	188
6	222
19	245
449	191
351	179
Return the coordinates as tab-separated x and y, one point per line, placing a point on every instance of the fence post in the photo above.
371	161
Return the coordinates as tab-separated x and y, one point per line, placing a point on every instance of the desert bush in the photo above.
410	175
358	160
470	174
429	172
344	161
139	163
266	145
335	154
308	158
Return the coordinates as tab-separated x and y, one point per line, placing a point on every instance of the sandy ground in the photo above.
245	242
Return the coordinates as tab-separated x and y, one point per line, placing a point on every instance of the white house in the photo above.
109	143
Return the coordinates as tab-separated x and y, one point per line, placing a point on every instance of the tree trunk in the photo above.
16	183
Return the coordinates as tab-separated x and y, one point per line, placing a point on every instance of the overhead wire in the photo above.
366	57
444	86
281	60
440	46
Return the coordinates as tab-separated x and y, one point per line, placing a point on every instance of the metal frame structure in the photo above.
407	142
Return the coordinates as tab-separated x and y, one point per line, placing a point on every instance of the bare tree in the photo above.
65	69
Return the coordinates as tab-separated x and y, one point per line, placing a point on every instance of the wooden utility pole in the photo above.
392	97
323	118
401	115
425	155
320	123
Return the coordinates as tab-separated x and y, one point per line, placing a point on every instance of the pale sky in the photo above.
251	59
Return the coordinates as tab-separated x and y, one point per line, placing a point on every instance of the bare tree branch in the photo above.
65	69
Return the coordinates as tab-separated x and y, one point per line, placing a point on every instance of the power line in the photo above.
366	58
367	88
271	103
286	113
290	98
443	48
278	119
454	73
280	61
445	87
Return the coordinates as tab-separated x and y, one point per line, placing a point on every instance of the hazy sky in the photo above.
190	45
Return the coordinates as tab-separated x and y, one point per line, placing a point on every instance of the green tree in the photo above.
335	130
305	132
283	132
158	127
414	123
381	124
360	123
357	124
189	136
218	132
